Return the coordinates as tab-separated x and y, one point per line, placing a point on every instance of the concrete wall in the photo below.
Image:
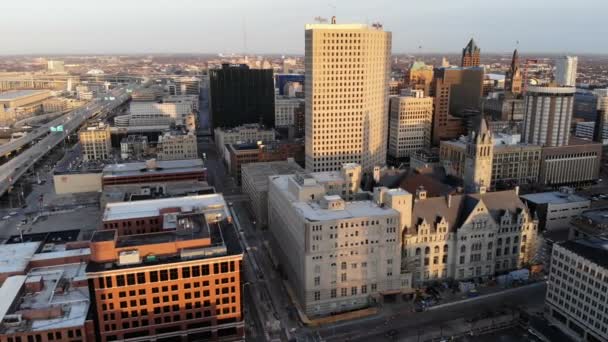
76	183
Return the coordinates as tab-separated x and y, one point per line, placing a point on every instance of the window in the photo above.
353	291
343	277
343	292
173	273
343	265
186	272
154	276
333	293
363	289
164	276
317	295
120	280
131	279
317	281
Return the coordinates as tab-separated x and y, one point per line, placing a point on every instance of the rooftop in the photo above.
598	216
16	94
312	211
259	172
14	258
50	293
151	208
554	197
157	166
594	249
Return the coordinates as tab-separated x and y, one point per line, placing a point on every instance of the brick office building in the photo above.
178	279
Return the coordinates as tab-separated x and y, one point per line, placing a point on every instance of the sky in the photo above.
277	26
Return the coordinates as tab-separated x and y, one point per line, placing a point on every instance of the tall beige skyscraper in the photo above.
347	76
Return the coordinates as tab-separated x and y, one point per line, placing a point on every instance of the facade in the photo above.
410	122
548	115
96	142
141	112
513	162
575	164
419	77
241	134
555	209
576	290
504	107
254	182
239	95
347	75
468	236
565	71
337	254
133	147
600	133
167	269
470	55
586	130
177	145
284	109
456	91
513	79
22	98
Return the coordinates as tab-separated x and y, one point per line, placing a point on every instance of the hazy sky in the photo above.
277	26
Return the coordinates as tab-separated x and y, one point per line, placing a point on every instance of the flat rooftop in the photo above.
151	208
160	167
554	197
594	249
17	94
15	257
57	292
598	216
312	211
259	172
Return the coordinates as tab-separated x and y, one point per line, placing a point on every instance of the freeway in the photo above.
13	169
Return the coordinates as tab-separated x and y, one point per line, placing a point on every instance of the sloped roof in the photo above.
461	206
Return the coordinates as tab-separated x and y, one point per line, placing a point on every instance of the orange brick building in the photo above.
178	279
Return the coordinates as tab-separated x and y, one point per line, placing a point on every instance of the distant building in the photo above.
565	71
585	104
456	91
284	109
470	55
133	147
419	77
22	98
153	174
586	130
282	80
144	113
96	142
346	122
337	254
149	94
254	180
239	95
177	145
187	86
548	115
174	263
238	155
556	209
59	104
576	295
241	134
55	66
600	133
504	107
410	123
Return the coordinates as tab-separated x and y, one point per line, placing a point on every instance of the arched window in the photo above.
445	248
523	238
490	245
417	251
516	239
427	250
508	240
463	249
436	249
499	242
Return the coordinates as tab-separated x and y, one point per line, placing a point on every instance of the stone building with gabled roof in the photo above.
467	236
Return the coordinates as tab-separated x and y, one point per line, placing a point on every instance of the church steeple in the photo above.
478	159
513	78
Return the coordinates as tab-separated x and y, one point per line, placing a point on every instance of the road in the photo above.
411	324
13	169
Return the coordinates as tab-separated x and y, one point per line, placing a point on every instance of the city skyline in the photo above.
184	26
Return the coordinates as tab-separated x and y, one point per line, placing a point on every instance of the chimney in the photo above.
449	200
